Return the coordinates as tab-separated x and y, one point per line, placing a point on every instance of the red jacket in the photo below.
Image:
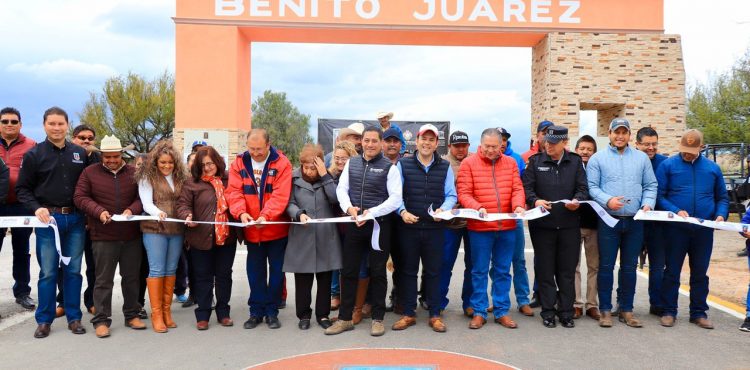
13	155
275	188
533	150
495	187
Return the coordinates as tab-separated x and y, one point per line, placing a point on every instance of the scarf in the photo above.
221	230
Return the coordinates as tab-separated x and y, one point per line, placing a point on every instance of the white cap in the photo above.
428	127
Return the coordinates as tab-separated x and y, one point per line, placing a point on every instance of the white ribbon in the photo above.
473	214
666	216
343	219
31	221
609	220
374	240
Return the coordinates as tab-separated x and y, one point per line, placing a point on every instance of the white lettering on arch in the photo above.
228	8
483	9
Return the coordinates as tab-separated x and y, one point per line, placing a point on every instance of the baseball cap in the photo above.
619	122
556	134
458	137
199	142
428	127
691	142
543	125
391	132
504	133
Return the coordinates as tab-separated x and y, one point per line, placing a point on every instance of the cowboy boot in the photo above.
155	298
167	302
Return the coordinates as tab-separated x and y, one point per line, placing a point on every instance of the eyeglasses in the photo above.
85	138
10	121
208	164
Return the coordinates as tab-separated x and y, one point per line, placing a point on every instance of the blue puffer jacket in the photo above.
611	174
521	164
697	188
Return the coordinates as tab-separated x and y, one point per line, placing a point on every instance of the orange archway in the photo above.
213	39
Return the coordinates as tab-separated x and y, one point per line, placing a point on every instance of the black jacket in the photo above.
545	179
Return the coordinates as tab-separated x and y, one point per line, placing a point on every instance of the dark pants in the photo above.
357	245
697	243
655	245
184	273
108	254
557	252
21	255
303	283
425	245
143	275
212	271
88	294
396	278
264	274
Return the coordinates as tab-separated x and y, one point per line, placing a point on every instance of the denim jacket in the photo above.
611	174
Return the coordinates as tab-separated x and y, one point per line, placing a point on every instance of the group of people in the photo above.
390	198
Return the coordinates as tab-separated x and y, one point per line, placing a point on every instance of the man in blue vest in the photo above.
369	185
690	185
428	182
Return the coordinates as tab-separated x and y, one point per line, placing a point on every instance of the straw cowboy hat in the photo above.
385	114
111	144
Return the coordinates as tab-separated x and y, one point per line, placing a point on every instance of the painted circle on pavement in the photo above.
382	359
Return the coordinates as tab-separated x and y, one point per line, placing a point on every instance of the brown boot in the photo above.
629	319
404	322
167	302
359	301
155	298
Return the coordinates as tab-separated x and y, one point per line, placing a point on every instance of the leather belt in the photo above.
60	210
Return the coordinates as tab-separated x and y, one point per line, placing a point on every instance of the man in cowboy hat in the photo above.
352	134
385	123
105	190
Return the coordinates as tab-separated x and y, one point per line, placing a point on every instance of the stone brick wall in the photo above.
640	77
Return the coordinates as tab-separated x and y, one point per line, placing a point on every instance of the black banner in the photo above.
328	129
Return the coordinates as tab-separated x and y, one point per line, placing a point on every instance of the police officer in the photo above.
552	175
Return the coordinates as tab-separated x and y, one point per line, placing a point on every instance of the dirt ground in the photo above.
728	273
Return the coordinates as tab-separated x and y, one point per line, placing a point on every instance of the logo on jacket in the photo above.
376	170
272	172
543	169
77	158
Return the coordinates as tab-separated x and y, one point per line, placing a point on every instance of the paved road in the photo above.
531	346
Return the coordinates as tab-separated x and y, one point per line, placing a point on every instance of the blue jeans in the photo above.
627	238
655	244
491	253
520	276
697	243
163	252
451	245
21	256
747	300
264	263
72	232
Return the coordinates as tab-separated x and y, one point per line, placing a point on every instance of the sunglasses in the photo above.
10	121
85	138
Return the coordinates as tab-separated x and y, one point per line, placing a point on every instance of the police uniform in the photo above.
556	238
